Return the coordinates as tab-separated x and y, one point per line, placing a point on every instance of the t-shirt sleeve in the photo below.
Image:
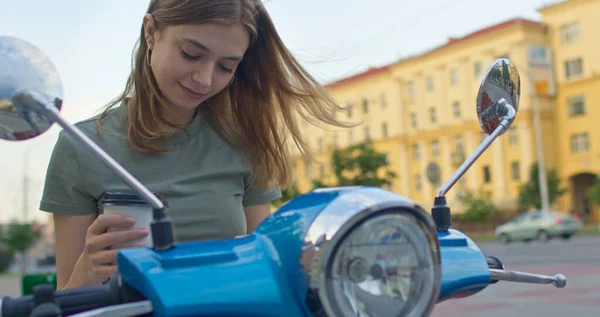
64	188
256	195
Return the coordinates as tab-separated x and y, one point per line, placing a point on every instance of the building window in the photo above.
513	136
462	182
435	148
411	89
383	101
418	184
487	177
576	106
454	77
309	171
477	69
416	152
430	84
384	130
349	107
432	116
367	133
456	109
459	146
413	120
574	68
365	106
580	143
569	33
295	172
350	137
515	171
335	140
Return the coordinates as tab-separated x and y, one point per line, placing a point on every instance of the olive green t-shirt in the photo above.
204	179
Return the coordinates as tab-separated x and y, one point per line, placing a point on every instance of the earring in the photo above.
148	54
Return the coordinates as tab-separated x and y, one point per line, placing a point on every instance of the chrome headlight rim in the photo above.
327	249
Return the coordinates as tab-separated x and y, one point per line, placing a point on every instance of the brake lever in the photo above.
499	273
557	280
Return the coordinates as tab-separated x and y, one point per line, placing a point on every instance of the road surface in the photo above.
577	259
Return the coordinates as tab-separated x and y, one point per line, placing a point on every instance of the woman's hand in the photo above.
99	256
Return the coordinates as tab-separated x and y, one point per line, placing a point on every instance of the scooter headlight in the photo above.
378	263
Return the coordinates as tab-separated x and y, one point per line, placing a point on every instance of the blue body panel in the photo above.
260	274
464	268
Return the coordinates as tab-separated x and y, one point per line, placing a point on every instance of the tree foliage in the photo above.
361	164
529	193
17	237
286	195
21	236
594	191
478	206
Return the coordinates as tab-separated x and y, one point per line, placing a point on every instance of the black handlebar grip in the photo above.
76	300
494	263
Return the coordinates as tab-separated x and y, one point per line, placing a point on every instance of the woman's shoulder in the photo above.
103	128
110	117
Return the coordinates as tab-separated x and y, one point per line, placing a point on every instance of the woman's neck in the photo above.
178	116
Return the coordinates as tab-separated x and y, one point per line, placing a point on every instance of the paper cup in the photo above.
130	205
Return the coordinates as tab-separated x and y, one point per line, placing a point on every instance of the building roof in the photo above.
553	5
451	41
368	73
491	29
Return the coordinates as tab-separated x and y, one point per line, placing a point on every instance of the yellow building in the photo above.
422	109
573	36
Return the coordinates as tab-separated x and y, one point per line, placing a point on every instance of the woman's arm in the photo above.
256	214
70	232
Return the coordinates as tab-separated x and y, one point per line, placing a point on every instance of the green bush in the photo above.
6	259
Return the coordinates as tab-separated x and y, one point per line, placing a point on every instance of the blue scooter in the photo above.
346	251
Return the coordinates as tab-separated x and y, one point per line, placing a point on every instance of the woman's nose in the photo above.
203	75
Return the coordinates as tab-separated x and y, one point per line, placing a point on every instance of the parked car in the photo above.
538	225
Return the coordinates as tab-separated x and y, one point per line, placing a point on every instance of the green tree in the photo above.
478	206
287	194
529	193
317	183
361	164
19	237
594	191
361	161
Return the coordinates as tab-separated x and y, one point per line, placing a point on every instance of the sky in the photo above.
91	43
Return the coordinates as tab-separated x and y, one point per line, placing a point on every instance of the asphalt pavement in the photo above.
578	259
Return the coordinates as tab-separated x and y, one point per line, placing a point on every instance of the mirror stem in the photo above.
161	226
441	211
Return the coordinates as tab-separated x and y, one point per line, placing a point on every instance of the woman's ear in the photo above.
149	29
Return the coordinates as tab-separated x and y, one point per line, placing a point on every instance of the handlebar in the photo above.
70	301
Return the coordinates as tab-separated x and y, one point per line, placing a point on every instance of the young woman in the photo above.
204	120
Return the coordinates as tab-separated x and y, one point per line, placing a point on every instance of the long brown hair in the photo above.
258	112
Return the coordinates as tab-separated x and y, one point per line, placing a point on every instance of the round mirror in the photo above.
501	81
25	67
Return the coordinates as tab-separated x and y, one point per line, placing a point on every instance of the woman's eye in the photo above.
229	70
188	56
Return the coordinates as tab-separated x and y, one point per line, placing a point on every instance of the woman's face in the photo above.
192	63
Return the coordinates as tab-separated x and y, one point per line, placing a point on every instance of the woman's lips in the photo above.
190	93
